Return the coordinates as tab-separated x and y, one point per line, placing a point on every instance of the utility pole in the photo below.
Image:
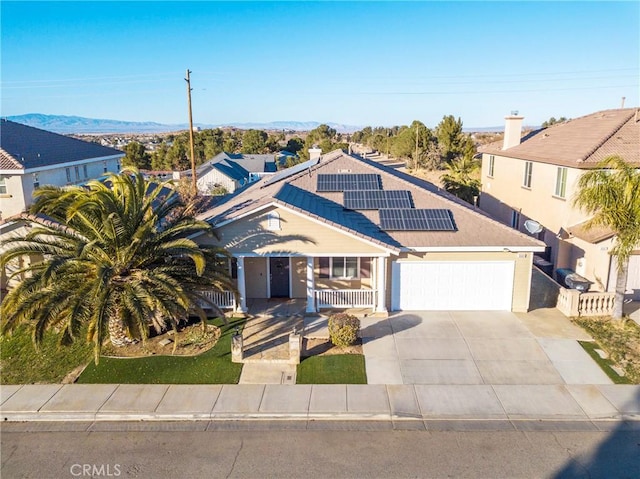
194	180
415	161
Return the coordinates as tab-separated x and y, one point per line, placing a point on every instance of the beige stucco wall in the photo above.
297	236
521	276
503	193
20	187
299	277
255	270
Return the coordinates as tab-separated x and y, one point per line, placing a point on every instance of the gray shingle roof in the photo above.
582	142
25	147
474	228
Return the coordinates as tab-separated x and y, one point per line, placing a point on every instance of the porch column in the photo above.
311	303
381	286
242	288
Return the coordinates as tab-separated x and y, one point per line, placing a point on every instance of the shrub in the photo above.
343	329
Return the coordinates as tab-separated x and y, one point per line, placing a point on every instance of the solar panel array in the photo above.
348	182
376	199
410	219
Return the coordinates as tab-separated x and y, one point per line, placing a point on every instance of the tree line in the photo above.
446	147
173	152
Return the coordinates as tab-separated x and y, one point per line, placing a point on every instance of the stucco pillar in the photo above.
311	303
242	287
381	286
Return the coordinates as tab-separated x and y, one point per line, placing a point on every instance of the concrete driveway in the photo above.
477	347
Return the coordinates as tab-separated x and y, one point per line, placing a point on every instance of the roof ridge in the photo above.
606	138
445	195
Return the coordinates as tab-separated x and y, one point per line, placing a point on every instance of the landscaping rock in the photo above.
165	341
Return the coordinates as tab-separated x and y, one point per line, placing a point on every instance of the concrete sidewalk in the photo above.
396	403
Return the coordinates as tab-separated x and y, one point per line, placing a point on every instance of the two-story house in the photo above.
30	157
534	178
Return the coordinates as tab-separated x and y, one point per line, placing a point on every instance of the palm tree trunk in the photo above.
621	286
117	334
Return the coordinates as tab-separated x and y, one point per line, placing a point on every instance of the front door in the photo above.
279	277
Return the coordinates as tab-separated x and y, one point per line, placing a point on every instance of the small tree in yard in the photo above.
343	329
612	195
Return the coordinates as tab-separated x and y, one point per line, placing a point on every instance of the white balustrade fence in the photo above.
573	303
345	298
222	299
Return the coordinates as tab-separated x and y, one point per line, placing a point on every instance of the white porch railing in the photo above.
345	298
222	299
573	303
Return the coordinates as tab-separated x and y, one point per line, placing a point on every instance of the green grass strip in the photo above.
211	367
605	364
332	369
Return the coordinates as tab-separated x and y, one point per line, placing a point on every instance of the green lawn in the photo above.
605	364
21	363
211	367
332	369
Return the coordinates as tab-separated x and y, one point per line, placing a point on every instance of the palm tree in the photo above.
612	195
461	179
116	257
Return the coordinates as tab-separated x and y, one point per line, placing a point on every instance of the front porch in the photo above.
320	283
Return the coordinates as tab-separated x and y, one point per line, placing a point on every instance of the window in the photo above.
68	170
515	219
77	170
561	182
528	169
273	221
36	180
84	170
3	185
345	267
492	160
104	166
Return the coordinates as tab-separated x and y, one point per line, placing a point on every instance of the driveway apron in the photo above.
477	348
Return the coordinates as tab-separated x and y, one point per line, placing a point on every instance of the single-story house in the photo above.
232	171
342	231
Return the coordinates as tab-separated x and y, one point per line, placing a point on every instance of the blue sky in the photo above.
357	63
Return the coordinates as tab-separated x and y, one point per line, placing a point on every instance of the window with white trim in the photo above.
273	221
561	182
3	185
68	170
345	267
492	160
528	170
77	170
84	170
36	181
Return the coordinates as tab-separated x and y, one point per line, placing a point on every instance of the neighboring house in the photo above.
342	231
535	178
232	171
30	157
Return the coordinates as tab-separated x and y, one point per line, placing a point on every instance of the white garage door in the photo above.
438	286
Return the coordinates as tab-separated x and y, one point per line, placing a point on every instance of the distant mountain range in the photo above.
77	124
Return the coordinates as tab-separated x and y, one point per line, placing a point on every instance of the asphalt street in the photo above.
188	450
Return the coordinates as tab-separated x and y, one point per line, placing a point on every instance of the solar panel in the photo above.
348	182
410	219
286	173
376	199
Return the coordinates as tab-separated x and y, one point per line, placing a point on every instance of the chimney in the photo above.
314	152
512	130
